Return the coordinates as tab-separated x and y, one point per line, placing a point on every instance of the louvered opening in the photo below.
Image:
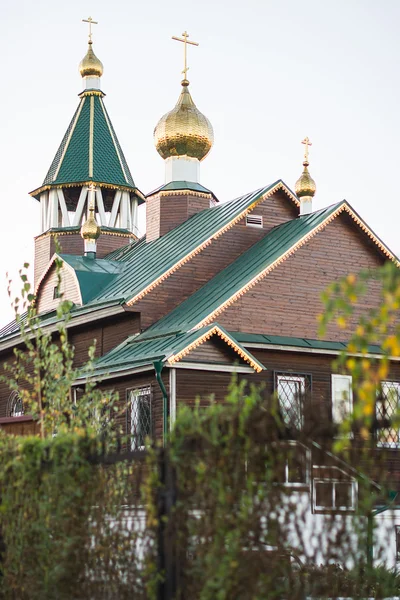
254	221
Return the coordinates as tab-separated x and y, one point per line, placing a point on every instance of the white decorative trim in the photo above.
115	207
80	207
311	350
198	366
63	206
100	206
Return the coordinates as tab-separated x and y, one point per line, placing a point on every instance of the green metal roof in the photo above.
248	339
182	185
92	274
239	273
136	351
150	260
90	138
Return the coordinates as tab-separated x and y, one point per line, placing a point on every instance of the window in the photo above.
334	494
291	464
254	221
387	407
56	293
15	406
139	417
397	533
342	398
292	390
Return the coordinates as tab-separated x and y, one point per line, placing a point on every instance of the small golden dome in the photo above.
90	230
90	65
305	185
184	131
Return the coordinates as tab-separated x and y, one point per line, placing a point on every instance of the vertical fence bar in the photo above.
166	538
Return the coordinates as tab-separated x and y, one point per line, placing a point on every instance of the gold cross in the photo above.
307	143
185	42
91	22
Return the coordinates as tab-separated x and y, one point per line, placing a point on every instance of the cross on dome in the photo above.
91	22
307	143
185	41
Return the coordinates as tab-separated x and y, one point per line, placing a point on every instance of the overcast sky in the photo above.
266	74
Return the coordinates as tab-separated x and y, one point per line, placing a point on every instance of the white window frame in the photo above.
337	417
334	482
134	396
379	444
14	400
307	455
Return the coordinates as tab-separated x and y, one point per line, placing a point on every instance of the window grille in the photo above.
139	417
387	409
15	406
254	221
292	390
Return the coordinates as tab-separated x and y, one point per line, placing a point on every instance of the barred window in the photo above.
139	417
15	406
292	390
387	409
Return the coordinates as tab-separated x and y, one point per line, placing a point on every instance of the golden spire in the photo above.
185	41
90	65
305	185
184	131
90	230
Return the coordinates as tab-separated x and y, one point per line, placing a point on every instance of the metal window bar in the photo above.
139	417
387	407
15	406
292	390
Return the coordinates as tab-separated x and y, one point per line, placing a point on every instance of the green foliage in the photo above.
65	520
378	326
43	372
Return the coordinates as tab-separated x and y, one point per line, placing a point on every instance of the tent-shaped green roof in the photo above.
90	150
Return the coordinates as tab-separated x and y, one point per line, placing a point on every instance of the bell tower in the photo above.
89	156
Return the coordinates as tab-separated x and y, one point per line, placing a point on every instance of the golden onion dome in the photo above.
90	230
305	185
184	131
90	65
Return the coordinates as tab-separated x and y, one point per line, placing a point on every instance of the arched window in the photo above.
15	406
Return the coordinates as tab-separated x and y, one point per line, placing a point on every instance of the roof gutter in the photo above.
158	367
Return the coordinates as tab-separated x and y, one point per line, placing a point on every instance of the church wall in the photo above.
215	257
287	301
68	287
122	385
206	385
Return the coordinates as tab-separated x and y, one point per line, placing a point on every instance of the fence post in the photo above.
166	538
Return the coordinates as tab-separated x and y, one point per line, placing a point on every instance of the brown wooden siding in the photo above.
213	351
287	301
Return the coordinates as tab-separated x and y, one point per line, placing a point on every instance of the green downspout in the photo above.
158	367
370	527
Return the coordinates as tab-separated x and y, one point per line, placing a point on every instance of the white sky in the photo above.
266	74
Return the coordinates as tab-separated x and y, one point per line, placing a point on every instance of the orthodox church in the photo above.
212	288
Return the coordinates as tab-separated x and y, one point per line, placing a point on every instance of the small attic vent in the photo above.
254	221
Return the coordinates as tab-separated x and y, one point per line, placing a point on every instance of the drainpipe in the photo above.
158	367
370	527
